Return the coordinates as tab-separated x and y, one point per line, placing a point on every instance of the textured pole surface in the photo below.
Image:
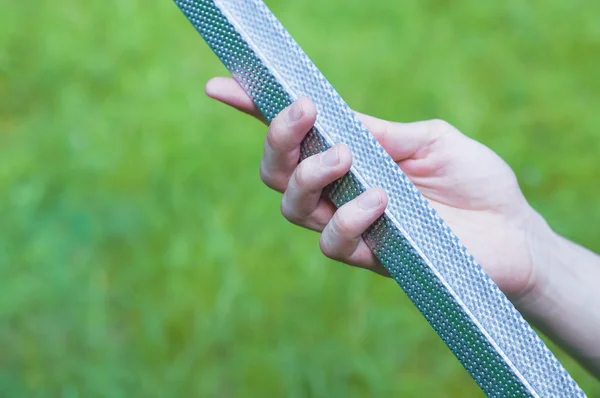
469	312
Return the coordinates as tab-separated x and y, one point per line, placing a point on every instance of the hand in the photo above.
551	280
471	187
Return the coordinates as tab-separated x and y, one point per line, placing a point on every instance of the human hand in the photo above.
472	188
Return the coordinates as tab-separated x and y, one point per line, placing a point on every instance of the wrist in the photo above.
540	241
562	291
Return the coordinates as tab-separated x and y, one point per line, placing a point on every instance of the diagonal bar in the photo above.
469	312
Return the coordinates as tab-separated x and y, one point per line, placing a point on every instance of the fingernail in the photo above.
294	113
369	200
331	157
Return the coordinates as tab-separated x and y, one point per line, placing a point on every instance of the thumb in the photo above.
405	140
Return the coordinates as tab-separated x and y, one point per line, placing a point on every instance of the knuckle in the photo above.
341	225
439	127
273	137
301	175
263	172
328	248
268	179
288	212
278	137
265	176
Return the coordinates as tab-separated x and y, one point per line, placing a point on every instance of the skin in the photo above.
551	280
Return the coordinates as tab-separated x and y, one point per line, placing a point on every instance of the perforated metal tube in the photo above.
474	318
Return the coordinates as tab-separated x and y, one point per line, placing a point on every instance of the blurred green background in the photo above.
140	256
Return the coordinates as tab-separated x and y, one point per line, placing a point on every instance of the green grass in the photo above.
140	256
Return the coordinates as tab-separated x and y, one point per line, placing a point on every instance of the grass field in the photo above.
140	256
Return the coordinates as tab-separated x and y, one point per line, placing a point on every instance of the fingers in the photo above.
407	143
282	145
341	238
228	91
401	140
302	203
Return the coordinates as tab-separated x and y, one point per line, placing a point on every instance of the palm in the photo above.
478	196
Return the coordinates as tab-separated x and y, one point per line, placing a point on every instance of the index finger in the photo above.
228	91
282	144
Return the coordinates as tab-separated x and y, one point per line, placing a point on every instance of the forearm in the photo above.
564	299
